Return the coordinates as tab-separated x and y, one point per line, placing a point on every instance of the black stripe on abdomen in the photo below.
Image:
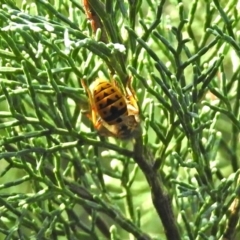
115	113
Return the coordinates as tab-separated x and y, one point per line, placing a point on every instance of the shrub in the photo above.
178	178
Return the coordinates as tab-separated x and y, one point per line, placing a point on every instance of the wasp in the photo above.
114	113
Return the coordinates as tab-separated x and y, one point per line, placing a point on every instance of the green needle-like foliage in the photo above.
178	179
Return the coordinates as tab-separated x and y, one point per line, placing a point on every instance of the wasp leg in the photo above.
131	95
93	115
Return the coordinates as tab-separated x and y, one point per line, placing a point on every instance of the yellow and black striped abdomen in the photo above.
109	102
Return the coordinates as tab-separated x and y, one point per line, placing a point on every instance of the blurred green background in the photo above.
59	179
